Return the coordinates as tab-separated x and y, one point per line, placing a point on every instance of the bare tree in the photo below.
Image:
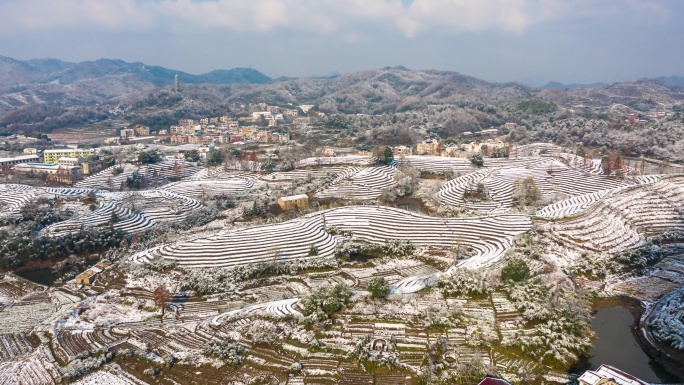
161	297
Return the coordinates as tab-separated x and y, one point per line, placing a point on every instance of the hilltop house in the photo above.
293	201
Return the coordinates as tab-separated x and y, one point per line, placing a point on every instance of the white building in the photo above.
609	375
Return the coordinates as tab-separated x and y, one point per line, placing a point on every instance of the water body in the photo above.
39	276
616	345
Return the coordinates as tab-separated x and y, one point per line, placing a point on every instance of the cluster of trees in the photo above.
85	363
477	193
231	354
391	248
149	157
557	323
383	155
320	306
210	281
463	282
24	244
525	192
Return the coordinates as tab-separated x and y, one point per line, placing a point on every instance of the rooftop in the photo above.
295	197
609	372
22	157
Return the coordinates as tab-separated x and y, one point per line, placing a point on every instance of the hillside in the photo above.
57	86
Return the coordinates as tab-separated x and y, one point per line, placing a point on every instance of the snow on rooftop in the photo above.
21	157
295	197
612	373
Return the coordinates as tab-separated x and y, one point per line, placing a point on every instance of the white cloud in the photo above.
309	16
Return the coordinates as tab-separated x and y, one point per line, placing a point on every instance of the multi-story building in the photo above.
263	136
7	163
186	122
127	132
62	174
52	156
182	139
141	130
70	162
402	151
204	121
428	147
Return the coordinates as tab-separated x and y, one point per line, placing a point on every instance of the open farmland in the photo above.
252	292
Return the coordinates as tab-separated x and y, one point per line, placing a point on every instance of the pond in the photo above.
616	344
39	276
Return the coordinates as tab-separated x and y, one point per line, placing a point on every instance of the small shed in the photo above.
293	201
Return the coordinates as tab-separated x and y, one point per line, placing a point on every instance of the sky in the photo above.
529	41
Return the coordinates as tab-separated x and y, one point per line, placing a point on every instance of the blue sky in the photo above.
531	41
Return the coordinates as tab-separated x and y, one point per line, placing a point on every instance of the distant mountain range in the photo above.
17	73
50	94
676	81
572	86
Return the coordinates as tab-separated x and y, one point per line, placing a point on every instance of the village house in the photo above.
293	201
510	126
489	131
88	277
402	151
329	153
141	130
428	147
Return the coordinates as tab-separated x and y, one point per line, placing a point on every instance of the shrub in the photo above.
379	287
516	270
477	159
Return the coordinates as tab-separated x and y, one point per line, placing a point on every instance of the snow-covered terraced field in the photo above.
14	197
535	149
549	175
623	220
107	377
500	192
307	173
151	207
359	160
462	165
29	370
282	308
273	243
490	237
154	173
215	183
360	183
573	206
592	166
